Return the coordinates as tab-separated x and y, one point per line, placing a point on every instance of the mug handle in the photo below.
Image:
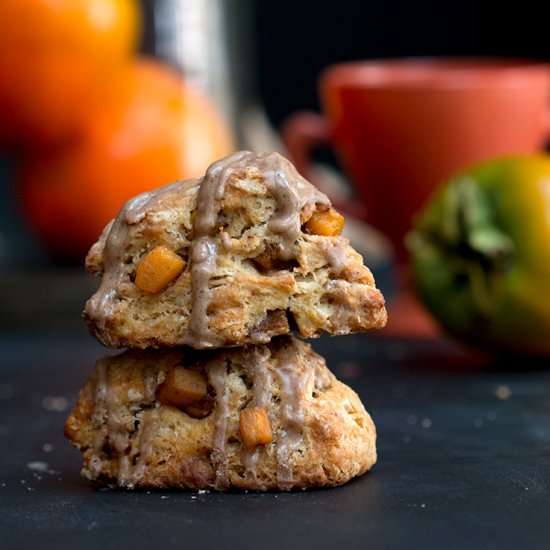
302	133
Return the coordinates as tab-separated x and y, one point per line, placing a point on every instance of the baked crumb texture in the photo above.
318	432
260	257
204	280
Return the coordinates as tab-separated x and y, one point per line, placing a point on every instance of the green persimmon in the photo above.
480	254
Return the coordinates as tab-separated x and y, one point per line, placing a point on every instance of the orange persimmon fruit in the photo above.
154	130
56	57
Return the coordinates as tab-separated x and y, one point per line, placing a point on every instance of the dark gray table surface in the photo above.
464	460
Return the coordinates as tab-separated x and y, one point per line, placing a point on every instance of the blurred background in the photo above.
295	41
87	120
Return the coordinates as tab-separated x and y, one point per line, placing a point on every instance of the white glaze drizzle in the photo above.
101	305
111	429
336	254
257	367
217	376
294	375
204	250
290	191
203	257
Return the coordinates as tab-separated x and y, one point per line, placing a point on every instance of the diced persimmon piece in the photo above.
158	269
182	387
200	409
327	223
255	427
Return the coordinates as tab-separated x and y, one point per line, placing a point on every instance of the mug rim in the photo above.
434	72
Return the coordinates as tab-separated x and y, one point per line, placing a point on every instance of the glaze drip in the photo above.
136	209
336	254
295	376
204	250
217	376
113	431
291	193
101	305
257	366
203	266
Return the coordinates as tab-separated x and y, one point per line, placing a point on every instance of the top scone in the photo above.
246	253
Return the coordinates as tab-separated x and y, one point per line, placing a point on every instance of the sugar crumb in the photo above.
55	403
503	392
38	466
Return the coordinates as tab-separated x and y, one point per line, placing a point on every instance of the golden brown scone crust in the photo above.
322	435
261	273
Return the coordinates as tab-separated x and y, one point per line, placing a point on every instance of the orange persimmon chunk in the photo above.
182	387
255	427
327	223
158	269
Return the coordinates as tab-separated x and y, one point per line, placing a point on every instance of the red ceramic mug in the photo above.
399	127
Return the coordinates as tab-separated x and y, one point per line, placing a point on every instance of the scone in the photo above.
258	417
248	252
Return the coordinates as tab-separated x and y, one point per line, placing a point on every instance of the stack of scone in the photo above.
204	280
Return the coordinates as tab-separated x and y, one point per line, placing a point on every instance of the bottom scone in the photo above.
261	417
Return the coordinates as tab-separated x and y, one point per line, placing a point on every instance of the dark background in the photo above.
295	39
459	467
284	45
